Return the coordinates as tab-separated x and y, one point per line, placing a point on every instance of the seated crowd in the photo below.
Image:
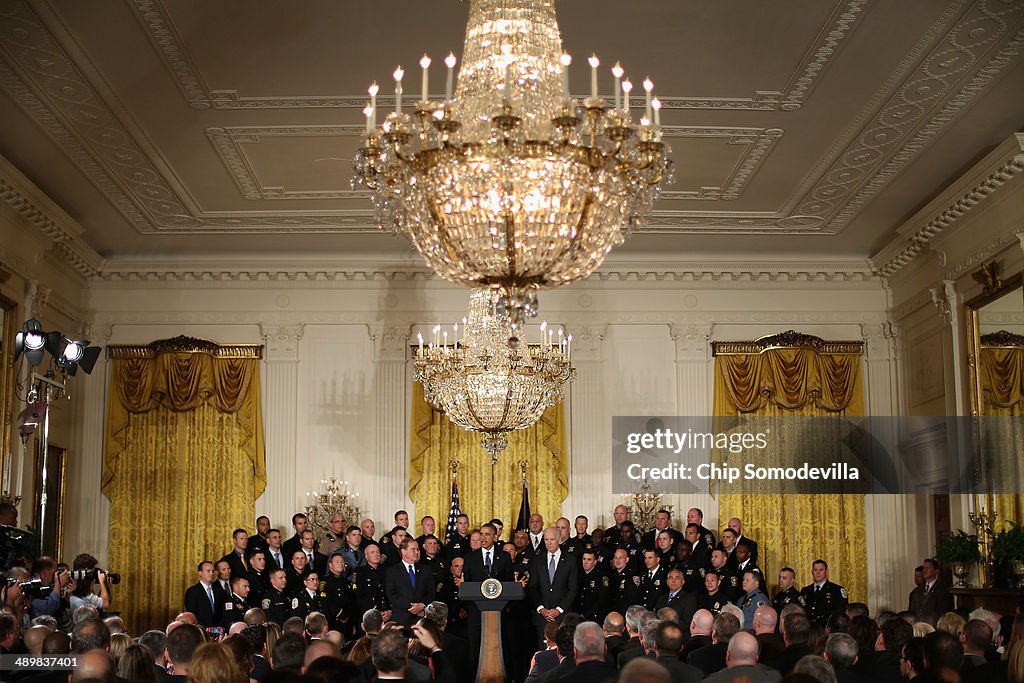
601	605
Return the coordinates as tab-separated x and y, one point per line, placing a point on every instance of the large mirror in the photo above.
995	326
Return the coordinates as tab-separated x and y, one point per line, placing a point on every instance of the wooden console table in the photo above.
1000	600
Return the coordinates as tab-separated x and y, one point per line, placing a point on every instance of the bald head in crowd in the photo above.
318	649
94	665
765	619
701	623
743	650
34	637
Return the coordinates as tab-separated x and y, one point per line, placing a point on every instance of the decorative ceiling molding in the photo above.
875	155
328	272
63	232
943	212
230	143
171	46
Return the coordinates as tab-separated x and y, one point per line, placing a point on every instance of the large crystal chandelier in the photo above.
511	184
489	382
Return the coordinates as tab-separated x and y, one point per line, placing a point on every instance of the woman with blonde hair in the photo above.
921	629
119	642
136	665
951	622
1015	663
214	663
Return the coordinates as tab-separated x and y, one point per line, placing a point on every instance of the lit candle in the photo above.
374	89
543	326
368	112
425	65
437	329
566	61
568	348
648	87
594	63
970	503
617	71
656	106
398	89
446	340
450	63
627	87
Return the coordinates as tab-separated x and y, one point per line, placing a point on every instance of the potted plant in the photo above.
961	550
1008	548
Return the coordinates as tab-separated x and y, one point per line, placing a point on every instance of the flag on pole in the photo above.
453	513
523	523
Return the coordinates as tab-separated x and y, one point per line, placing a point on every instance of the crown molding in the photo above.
247	272
941	214
63	231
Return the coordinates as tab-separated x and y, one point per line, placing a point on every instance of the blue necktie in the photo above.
209	594
412	576
487	561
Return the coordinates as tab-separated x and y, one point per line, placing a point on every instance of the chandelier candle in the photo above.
617	71
627	87
517	192
648	87
449	61
425	65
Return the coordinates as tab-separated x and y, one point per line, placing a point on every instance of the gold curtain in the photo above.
485	491
795	530
1001	375
183	467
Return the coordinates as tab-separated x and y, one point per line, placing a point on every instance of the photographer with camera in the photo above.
48	587
14	600
86	573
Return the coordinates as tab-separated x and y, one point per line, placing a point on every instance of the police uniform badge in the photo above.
636	580
266	603
323	595
386	539
604	580
439	588
295	603
657	582
842	591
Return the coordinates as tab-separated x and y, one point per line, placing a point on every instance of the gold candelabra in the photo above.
645	505
333	498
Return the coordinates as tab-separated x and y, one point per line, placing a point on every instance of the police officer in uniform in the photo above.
713	599
700	553
625	582
448	593
310	599
390	554
275	603
236	603
340	607
368	584
334	538
696	516
602	550
581	541
431	559
693	572
730	587
652	581
458	543
259	581
594	595
822	598
630	542
787	592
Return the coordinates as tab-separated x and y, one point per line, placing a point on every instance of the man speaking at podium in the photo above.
488	562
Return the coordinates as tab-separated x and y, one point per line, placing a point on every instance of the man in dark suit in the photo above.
299	523
678	599
276	559
668	643
736	525
236	558
487	562
200	598
589	652
931	597
553	583
316	561
409	588
712	658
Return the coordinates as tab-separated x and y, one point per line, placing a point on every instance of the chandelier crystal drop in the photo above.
511	184
489	381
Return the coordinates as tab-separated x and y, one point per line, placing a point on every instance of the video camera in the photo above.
12	545
90	575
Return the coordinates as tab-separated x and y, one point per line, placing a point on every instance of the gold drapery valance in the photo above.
179	375
183	467
792	375
485	491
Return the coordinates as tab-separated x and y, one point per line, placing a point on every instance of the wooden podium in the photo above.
490	597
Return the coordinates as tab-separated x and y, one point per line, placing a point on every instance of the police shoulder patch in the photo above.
842	591
266	603
295	603
604	580
636	580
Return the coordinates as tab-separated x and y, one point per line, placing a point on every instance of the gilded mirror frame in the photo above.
8	311
995	288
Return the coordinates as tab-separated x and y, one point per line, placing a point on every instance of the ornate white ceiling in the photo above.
175	128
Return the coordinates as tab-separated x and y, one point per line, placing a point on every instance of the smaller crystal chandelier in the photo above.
333	498
489	381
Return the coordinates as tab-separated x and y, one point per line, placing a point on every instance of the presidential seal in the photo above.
490	589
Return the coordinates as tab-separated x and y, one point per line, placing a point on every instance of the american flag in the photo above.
453	513
523	523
